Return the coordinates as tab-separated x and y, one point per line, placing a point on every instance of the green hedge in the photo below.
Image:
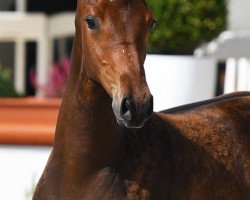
6	85
185	24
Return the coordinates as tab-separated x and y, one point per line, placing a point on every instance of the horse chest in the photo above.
108	185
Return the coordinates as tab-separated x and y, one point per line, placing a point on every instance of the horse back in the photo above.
209	147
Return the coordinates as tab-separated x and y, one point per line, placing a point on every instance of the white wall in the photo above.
178	80
239	14
20	169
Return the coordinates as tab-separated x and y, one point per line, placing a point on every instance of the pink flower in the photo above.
56	79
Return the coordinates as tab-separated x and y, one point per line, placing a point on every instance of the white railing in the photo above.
237	76
61	26
232	47
21	5
21	27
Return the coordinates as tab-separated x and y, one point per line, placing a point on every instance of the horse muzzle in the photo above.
131	113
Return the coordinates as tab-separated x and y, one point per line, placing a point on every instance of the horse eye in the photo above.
91	22
152	25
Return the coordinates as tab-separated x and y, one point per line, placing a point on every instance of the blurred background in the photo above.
198	50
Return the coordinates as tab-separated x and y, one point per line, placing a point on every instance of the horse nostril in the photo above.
126	108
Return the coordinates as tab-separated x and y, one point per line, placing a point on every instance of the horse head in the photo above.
114	37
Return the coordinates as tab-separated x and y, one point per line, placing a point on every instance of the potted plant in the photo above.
29	120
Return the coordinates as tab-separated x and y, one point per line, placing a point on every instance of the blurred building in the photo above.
48	8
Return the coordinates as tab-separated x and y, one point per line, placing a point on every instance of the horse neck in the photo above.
87	134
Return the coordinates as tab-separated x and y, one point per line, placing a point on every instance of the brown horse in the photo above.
199	151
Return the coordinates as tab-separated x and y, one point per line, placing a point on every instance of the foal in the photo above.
109	145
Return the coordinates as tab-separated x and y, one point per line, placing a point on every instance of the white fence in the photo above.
21	27
233	47
237	76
